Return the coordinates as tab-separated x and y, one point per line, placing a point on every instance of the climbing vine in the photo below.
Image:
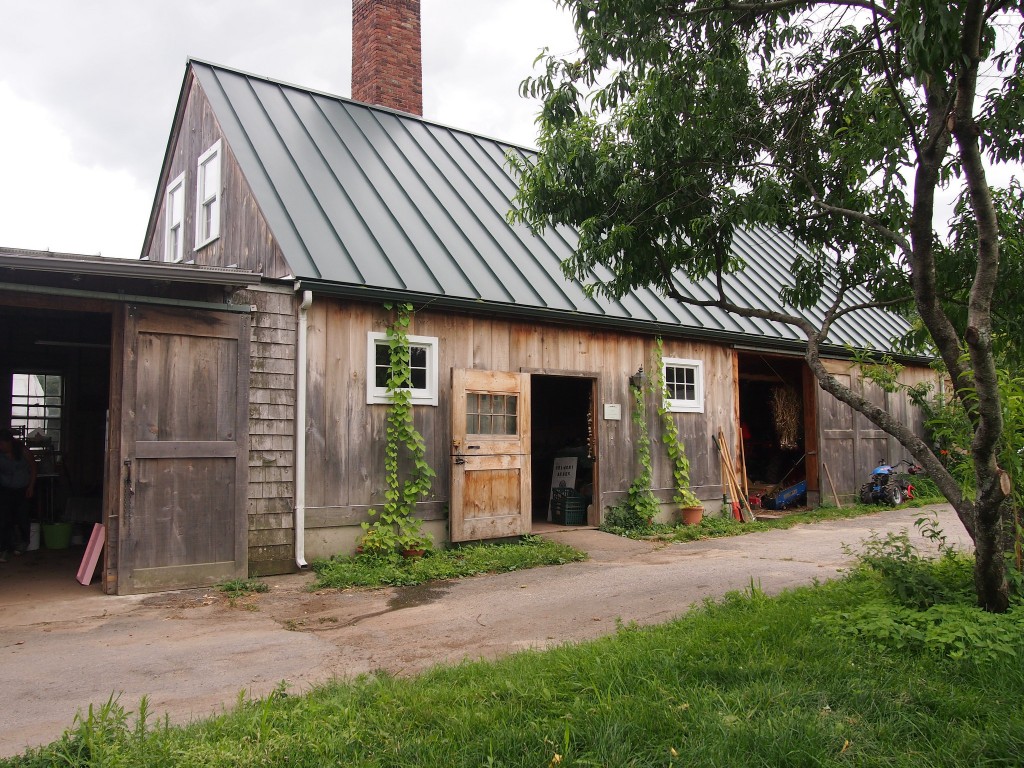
397	526
674	446
640	499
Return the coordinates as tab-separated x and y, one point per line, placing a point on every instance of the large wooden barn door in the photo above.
184	449
851	445
490	455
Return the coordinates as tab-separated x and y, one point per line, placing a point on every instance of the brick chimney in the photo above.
387	68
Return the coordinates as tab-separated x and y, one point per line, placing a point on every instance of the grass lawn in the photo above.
751	681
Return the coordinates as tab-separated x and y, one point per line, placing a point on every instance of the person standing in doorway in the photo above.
17	487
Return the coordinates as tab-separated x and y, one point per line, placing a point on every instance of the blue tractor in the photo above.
889	485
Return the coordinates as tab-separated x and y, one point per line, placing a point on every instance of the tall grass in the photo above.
394	570
749	681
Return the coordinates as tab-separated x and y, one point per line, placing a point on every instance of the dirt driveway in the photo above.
192	652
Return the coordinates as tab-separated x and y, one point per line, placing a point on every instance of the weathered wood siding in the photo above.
345	436
245	239
271	431
851	445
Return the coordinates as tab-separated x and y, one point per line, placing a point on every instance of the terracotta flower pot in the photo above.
691	515
413	552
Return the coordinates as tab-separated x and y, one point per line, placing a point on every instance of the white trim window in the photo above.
684	385
174	217
422	367
208	196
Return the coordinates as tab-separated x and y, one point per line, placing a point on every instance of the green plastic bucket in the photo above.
57	535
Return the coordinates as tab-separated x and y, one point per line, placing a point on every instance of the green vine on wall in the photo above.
674	446
398	527
640	499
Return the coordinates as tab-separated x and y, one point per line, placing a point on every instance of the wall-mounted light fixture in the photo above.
638	379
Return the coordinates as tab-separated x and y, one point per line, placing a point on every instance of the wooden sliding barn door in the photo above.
184	449
490	495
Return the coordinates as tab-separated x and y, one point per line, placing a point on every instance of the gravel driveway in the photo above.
193	651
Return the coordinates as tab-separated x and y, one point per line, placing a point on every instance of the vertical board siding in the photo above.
851	445
345	446
345	436
245	241
271	491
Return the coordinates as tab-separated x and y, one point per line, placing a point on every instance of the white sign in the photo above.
613	412
562	476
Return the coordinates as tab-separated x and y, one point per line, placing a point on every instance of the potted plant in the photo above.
378	540
411	540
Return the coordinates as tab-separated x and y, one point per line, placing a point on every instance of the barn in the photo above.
224	398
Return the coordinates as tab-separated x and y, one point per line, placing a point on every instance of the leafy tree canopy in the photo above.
842	122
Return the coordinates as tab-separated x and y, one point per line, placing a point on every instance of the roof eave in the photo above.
33	261
566	317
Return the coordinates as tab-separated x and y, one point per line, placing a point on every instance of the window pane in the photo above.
511	407
418	357
37	405
680	383
510	425
380	377
485	403
419	378
485	426
472	424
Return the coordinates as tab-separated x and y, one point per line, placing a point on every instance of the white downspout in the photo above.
300	433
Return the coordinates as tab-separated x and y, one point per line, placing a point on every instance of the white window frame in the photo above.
174	219
675	405
206	197
379	395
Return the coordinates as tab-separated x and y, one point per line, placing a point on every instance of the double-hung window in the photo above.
174	216
684	385
422	369
208	196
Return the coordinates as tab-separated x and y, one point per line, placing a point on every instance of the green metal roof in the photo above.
369	202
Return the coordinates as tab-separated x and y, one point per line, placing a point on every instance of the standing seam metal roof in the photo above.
365	197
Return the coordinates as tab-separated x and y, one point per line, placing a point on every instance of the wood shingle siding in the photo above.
272	431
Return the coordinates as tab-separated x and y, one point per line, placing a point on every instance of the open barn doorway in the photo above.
777	423
564	449
54	396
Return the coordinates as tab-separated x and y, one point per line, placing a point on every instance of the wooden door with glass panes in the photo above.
490	455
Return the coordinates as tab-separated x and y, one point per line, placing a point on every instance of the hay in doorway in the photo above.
786	410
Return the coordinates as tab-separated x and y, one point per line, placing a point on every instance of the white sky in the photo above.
88	90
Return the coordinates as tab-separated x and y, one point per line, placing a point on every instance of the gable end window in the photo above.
684	385
208	196
174	216
422	368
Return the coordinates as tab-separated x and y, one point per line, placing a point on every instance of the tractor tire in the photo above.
867	493
893	494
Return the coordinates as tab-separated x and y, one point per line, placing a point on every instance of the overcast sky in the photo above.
88	90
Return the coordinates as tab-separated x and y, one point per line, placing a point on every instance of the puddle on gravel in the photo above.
421	594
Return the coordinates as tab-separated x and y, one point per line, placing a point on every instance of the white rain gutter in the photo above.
300	434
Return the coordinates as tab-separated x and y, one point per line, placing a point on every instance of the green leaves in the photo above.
397	526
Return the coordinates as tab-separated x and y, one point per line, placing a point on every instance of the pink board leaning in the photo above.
92	555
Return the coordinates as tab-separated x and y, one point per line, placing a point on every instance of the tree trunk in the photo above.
990	578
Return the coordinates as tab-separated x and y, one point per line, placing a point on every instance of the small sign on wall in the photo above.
562	476
613	412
